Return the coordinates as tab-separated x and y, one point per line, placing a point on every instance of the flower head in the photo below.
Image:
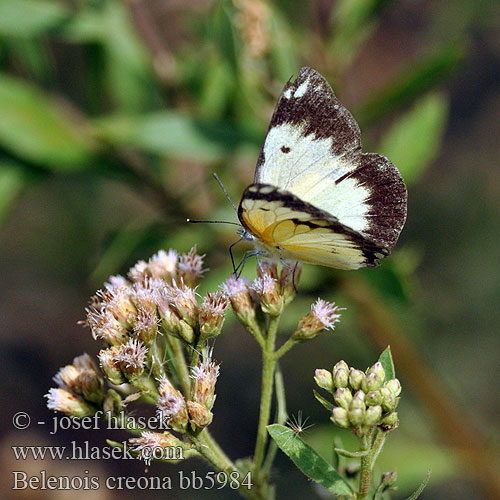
238	291
268	291
171	406
162	265
149	445
204	377
211	317
323	315
191	267
67	402
131	358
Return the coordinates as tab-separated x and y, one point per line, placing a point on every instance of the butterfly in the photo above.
316	196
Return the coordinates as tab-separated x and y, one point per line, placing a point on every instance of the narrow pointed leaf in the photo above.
308	461
36	129
323	401
419	490
386	360
414	139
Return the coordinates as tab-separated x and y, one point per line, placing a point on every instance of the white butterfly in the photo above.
316	197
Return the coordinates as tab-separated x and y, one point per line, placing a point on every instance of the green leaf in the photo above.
170	133
308	461
386	360
413	81
118	251
419	490
413	141
36	129
354	21
281	50
28	18
323	401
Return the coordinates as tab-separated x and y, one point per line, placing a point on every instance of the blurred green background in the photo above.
113	117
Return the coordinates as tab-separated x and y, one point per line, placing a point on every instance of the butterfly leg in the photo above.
285	264
231	254
246	255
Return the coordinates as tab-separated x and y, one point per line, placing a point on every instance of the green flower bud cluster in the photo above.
363	399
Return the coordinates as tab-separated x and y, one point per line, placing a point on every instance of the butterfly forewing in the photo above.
313	150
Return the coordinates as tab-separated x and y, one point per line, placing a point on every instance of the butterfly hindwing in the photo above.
287	227
313	151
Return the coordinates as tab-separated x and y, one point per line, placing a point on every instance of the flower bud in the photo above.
268	291
237	289
162	265
324	379
92	386
171	406
389	478
343	397
356	416
146	325
190	268
390	421
182	300
204	378
389	402
339	417
378	369
371	382
289	280
199	415
68	403
105	326
119	304
211	318
341	374
150	442
168	317
112	405
394	386
356	378
372	415
373	398
323	315
357	409
110	367
267	267
131	358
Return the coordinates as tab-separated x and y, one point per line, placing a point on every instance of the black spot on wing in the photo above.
317	111
285	149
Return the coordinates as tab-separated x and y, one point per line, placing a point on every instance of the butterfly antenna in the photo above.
225	192
212	222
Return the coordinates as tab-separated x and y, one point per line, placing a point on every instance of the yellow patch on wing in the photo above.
272	224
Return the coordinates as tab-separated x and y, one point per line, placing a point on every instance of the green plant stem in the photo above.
284	348
366	467
181	365
148	388
211	451
373	447
377	446
268	364
281	417
255	331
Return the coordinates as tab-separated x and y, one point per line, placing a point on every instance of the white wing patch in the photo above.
305	166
